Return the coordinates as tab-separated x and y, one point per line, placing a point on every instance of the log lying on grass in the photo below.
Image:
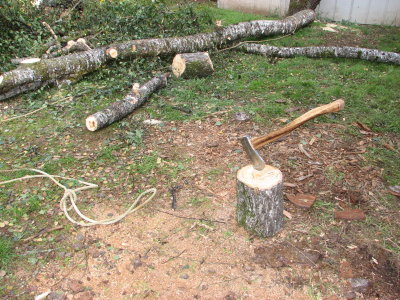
87	61
260	200
124	107
323	52
190	65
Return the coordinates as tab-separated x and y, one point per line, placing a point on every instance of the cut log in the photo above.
124	107
191	65
324	52
87	61
260	200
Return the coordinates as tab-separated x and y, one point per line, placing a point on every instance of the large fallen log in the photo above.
124	107
323	52
87	61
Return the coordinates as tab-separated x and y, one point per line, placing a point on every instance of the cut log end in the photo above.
265	179
260	200
191	65
178	65
134	49
91	123
112	52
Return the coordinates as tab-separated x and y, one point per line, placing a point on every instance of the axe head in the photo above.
256	159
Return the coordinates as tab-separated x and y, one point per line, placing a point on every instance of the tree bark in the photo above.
260	200
324	52
87	61
298	5
190	65
124	107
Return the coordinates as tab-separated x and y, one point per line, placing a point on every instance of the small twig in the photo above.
173	257
51	31
190	218
244	42
301	148
41	232
173	192
69	11
68	273
301	252
36	110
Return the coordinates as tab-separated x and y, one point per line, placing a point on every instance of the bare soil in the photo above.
157	253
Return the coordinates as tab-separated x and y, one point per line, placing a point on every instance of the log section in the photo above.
191	65
124	107
260	200
324	52
81	63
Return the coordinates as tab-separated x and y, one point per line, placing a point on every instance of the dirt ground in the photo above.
158	253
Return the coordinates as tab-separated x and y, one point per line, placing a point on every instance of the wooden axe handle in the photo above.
335	106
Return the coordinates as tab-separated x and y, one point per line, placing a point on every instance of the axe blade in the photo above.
256	159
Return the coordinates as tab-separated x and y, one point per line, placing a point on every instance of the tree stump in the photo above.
191	65
260	200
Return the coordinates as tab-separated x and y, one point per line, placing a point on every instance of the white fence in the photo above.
385	12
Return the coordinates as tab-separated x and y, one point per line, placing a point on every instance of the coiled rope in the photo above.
71	196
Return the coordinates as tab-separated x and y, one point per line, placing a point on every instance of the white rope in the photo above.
70	194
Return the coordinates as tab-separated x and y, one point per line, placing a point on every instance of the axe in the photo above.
251	145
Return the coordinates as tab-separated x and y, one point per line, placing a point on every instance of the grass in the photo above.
6	251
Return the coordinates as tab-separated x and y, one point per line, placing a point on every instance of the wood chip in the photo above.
288	184
302	200
287	214
389	147
312	141
350	214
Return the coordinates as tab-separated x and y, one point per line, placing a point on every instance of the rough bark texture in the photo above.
260	200
298	5
84	62
190	65
324	52
122	108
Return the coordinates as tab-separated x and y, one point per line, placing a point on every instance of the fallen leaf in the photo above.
280	101
302	200
2	273
350	214
394	190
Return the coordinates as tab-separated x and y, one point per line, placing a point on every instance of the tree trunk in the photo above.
124	107
260	200
87	61
324	52
298	5
190	65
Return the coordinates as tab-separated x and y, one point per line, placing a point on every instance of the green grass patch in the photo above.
6	251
